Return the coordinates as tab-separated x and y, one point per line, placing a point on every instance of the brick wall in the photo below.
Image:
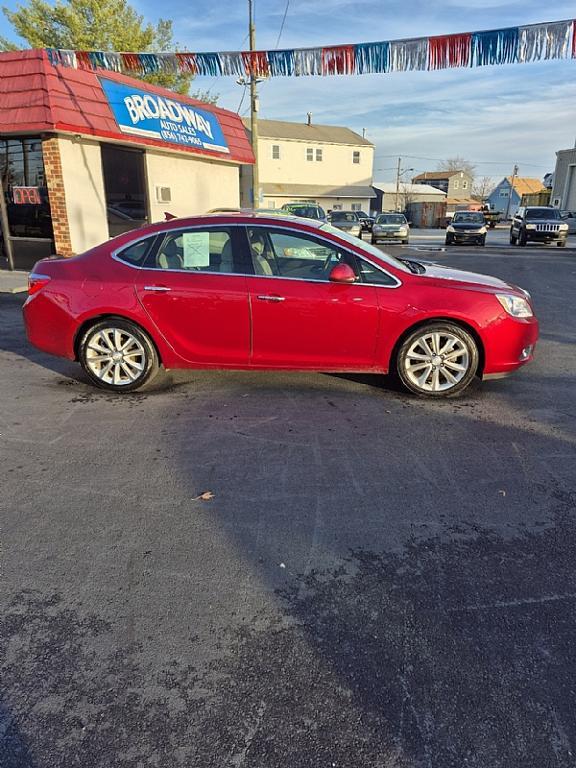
55	184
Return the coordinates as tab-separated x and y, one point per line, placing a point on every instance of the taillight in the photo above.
36	282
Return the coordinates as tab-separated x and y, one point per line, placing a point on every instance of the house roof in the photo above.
37	97
331	134
413	189
317	190
438	175
524	185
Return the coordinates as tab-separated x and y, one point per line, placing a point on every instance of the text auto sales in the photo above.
177	121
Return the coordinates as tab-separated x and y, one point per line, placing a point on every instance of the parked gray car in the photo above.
569	217
539	224
347	221
390	226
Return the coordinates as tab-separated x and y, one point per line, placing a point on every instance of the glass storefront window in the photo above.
25	190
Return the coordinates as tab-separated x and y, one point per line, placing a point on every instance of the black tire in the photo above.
513	239
470	358
561	243
482	242
374	241
522	238
449	241
404	242
144	356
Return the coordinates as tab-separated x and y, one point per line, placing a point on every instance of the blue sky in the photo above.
494	116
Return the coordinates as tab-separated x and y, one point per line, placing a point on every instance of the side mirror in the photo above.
342	273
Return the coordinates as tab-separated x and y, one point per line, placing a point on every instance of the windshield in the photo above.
362	215
307	211
391	218
542	213
343	216
468	217
369	249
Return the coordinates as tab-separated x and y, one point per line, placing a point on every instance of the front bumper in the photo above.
545	237
394	235
466	237
509	344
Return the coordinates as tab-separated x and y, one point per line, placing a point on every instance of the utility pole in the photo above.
514	174
253	110
5	228
397	182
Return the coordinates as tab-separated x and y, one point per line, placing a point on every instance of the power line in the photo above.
283	22
474	162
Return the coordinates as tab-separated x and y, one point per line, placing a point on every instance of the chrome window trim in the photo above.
114	255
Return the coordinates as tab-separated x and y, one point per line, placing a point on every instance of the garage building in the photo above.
87	155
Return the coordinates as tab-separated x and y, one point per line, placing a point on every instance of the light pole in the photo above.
514	174
253	110
400	173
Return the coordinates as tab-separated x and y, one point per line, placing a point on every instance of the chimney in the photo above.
309	118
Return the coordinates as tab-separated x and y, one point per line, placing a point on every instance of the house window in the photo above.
337	207
318	155
356	207
504	192
356	158
464	185
309	154
275	151
456	184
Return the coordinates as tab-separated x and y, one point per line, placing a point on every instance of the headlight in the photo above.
402	230
450	228
515	305
563	226
482	231
377	228
530	226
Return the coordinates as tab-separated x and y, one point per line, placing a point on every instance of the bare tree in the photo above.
457	163
482	187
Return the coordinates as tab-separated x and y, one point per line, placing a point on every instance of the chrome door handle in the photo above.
158	288
271	298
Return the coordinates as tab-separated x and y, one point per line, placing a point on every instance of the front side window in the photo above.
24	184
282	254
196	250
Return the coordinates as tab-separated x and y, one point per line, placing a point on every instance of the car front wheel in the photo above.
117	355
437	360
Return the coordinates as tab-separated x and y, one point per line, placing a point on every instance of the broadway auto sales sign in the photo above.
156	117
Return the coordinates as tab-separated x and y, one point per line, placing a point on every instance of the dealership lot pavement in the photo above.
376	581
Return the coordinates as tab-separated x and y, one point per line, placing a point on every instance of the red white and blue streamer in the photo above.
512	45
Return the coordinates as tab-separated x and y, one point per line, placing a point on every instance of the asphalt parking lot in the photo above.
371	581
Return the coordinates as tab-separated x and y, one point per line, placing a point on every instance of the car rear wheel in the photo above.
437	360
117	355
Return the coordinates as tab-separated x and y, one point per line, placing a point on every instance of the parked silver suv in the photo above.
542	224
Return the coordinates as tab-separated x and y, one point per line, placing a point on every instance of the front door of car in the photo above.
193	288
300	319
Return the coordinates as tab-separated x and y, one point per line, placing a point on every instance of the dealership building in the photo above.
87	155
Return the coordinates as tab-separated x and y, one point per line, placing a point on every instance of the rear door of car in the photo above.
193	288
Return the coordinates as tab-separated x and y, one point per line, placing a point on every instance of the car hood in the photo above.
441	272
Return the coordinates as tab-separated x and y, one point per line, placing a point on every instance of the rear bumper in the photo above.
48	326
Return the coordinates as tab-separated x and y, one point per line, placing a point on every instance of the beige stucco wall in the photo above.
196	185
336	166
84	190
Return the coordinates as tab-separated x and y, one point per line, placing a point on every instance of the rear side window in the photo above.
136	253
196	250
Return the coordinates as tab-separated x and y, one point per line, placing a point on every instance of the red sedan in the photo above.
255	291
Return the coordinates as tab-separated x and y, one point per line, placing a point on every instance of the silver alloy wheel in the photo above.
437	361
115	356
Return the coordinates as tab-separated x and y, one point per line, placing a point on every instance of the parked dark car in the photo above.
347	221
542	224
305	210
366	222
569	217
467	227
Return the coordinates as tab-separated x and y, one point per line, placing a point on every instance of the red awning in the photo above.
36	97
